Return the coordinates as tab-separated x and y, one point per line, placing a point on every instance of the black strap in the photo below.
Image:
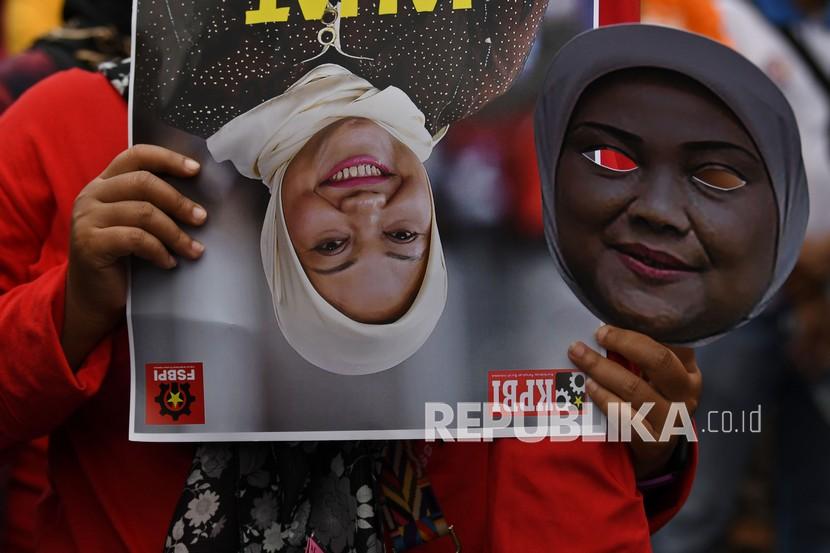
808	58
812	64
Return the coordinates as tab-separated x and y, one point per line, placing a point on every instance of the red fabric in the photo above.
619	11
108	494
28	482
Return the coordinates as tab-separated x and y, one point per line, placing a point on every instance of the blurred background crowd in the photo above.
766	491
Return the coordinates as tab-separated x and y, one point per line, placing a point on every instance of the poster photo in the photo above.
354	285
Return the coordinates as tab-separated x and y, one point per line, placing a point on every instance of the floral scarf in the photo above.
280	497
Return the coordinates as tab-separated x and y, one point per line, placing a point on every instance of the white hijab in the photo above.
261	144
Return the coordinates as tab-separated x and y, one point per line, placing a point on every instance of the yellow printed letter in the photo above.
268	12
348	8
313	9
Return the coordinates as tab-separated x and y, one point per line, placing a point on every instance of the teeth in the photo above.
364	170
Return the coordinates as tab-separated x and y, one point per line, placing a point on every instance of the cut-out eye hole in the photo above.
719	178
611	159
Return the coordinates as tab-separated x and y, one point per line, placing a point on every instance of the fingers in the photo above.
144	186
116	242
148	217
611	375
660	364
695	377
618	384
603	398
144	157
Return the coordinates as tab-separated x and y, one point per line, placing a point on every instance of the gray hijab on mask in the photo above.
746	90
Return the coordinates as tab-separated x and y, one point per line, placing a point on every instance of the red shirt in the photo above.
107	494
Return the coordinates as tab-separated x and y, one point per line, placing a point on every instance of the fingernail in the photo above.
171	262
602	332
191	165
197	247
199	213
591	385
577	349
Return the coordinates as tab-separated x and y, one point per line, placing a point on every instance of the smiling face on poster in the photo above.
674	190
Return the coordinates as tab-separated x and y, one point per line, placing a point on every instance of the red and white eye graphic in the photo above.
611	159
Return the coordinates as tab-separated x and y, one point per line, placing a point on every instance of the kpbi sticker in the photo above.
174	393
537	391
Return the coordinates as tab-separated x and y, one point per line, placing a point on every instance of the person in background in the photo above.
781	361
24	21
92	32
700	16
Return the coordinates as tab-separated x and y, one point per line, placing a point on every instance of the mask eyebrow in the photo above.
339	268
703	145
617	133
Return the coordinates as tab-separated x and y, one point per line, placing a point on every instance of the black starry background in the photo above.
198	64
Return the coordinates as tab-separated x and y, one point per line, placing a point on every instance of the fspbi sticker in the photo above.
174	393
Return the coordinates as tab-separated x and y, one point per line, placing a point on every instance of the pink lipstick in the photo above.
654	265
357	171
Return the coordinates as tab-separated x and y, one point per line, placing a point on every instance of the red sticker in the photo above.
175	393
537	392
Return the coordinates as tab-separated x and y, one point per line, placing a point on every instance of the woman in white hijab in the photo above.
350	244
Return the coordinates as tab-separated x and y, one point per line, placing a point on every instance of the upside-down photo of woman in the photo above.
338	129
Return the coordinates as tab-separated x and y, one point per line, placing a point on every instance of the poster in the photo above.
211	361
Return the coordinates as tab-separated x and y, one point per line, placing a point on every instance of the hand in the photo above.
668	375
127	210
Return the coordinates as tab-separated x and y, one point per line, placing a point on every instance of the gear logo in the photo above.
175	400
174	394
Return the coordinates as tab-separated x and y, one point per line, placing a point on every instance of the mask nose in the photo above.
661	206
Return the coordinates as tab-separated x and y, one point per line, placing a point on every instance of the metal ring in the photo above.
331	32
333	16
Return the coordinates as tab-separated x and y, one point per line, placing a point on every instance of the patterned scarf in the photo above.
308	497
280	497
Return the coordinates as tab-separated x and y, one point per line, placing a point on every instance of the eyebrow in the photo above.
620	134
394	255
347	264
719	145
339	268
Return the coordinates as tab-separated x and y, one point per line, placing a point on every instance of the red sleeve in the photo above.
663	502
53	142
547	496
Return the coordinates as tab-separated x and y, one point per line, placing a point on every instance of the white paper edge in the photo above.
335	436
132	435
